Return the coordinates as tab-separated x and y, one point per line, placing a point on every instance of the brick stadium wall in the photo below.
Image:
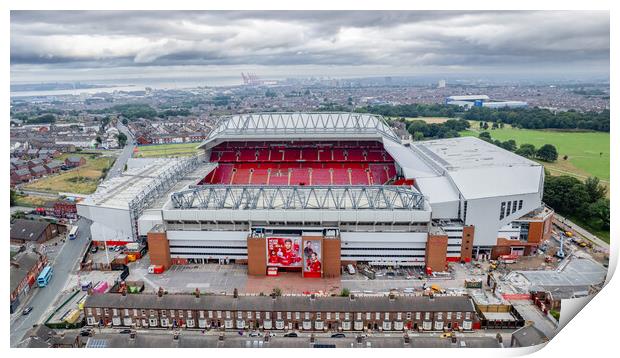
159	249
540	231
257	256
467	243
436	251
503	247
331	257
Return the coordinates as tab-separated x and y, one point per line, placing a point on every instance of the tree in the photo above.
98	140
494	126
345	292
557	192
599	212
526	150
548	153
594	189
122	139
486	126
125	121
13	197
579	199
510	145
485	136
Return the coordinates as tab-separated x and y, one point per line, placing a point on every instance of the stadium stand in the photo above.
301	163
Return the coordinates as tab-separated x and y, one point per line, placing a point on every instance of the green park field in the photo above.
166	150
588	152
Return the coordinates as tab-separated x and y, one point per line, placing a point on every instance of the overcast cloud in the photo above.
383	42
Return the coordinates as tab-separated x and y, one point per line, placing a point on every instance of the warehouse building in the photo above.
469	101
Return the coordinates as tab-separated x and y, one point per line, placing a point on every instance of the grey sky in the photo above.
52	44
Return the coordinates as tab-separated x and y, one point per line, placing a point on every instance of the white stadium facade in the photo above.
269	189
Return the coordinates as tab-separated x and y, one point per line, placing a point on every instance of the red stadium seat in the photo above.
359	176
355	155
247	155
242	177
300	176
278	177
340	177
259	177
301	163
321	177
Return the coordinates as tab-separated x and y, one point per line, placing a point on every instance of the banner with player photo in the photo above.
284	251
313	259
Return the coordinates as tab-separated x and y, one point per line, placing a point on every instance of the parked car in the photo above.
255	334
338	335
292	334
94	250
85	333
125	331
27	310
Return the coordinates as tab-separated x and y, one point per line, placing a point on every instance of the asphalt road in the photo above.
42	298
563	222
119	164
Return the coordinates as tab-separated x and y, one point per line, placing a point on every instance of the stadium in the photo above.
311	192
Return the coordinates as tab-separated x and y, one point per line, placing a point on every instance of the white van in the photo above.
351	269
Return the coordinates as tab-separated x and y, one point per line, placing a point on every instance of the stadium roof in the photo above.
474	167
468	97
337	197
300	125
119	191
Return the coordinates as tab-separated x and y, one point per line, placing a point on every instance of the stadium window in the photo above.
520	204
514	206
501	210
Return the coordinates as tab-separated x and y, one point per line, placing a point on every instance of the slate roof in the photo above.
284	303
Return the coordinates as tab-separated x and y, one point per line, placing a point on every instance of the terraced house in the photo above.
308	313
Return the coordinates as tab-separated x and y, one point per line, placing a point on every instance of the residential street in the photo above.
41	299
125	154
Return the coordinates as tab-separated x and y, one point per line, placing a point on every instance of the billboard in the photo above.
313	258
284	251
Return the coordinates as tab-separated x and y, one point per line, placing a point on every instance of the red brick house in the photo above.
53	167
38	171
74	161
20	176
25	267
34	163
